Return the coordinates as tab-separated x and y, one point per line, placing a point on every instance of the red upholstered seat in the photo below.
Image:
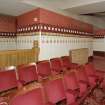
33	97
90	70
56	65
43	69
82	80
91	73
71	83
55	92
7	80
67	64
27	74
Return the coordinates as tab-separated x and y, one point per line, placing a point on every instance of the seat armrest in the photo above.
20	83
3	101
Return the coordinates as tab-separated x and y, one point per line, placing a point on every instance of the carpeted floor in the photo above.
98	97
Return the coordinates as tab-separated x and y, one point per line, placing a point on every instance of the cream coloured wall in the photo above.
26	42
99	44
56	46
7	43
19	42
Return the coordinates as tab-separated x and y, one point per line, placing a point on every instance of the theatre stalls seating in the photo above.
57	81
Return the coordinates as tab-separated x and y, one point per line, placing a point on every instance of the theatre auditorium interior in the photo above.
52	52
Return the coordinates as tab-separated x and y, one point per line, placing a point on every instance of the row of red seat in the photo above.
29	73
73	86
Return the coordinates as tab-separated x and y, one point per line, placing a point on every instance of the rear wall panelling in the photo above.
26	42
56	46
99	44
7	43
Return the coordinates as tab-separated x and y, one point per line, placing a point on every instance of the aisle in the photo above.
97	98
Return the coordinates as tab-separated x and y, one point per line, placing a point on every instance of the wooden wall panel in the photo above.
18	57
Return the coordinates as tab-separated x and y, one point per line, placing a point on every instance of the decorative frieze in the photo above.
99	33
28	28
51	29
7	34
99	36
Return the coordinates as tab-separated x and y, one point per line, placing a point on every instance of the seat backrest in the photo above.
89	68
56	65
7	80
81	74
27	73
54	90
43	68
70	81
66	62
33	97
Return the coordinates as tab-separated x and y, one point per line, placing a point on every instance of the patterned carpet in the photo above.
98	96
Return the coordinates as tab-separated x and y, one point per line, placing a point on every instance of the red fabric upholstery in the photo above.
71	84
33	97
71	99
7	80
43	68
54	90
27	74
81	74
91	73
82	80
71	81
56	65
74	103
90	70
66	62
